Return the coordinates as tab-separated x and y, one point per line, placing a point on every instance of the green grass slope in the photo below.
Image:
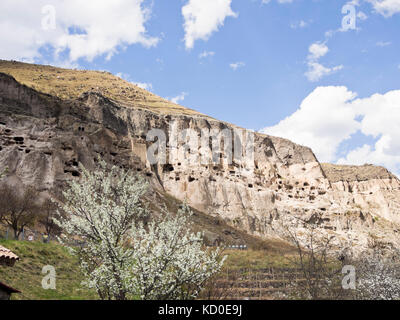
26	275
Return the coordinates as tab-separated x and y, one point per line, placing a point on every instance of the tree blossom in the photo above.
122	257
379	279
169	260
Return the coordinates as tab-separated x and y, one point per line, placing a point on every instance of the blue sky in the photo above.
284	67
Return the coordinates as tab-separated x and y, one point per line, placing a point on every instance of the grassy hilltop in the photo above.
70	84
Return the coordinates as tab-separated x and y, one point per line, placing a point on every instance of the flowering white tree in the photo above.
169	260
379	279
122	258
100	210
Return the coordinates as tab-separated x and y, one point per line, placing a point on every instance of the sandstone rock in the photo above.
43	139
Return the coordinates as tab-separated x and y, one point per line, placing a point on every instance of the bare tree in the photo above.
222	286
319	268
49	210
18	210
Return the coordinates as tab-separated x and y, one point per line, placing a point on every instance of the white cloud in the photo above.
357	156
203	17
362	16
383	44
300	24
381	119
237	65
143	85
84	29
354	2
279	1
322	122
387	8
359	15
373	154
317	50
206	54
178	98
316	70
331	115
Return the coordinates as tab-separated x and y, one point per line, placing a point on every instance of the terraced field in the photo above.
268	278
255	284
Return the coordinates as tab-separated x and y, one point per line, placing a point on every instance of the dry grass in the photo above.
253	275
70	84
366	172
219	227
257	259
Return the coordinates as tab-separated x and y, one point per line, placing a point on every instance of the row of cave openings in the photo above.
19	141
168	168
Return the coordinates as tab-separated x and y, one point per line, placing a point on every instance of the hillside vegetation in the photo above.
336	173
27	276
71	84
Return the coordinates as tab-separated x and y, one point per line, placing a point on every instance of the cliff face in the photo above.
373	189
44	137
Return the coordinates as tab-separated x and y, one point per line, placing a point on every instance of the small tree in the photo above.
122	257
319	268
49	210
169	262
18	210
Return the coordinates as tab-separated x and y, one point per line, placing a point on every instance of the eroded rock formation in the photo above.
43	138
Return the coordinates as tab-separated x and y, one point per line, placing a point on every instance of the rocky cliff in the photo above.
49	125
